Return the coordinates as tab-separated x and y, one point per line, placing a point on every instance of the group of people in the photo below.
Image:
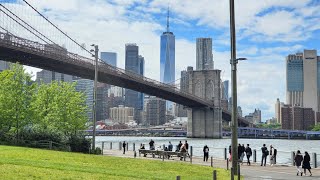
242	152
265	153
302	161
180	147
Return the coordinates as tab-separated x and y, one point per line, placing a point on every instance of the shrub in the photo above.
79	144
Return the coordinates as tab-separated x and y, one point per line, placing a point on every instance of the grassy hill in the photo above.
27	163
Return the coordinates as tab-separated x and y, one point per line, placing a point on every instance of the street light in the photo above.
96	51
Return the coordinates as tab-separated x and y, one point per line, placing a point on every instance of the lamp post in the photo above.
96	51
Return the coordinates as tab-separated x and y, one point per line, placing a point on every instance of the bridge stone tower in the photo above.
205	122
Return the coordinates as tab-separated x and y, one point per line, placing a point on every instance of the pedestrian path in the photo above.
253	172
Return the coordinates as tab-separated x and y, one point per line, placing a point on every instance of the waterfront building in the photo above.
204	54
135	64
297	118
45	76
156	111
109	57
121	114
303	80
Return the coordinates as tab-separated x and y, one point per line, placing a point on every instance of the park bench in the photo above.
161	153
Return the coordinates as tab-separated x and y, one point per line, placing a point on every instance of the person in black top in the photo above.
186	145
230	157
179	146
205	153
124	147
248	154
265	153
151	144
298	160
239	151
306	163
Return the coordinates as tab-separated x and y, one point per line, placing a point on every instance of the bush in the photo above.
79	144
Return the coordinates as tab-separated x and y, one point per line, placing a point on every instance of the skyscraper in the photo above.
225	92
109	57
167	59
135	64
204	54
156	111
303	79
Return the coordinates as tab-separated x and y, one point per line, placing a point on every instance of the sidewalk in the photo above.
253	172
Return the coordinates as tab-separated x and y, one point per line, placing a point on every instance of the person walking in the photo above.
272	155
298	160
205	153
248	154
265	153
239	152
306	163
124	147
243	149
186	146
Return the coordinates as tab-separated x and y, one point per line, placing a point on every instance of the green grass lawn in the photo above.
28	163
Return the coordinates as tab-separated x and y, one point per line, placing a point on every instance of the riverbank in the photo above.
30	163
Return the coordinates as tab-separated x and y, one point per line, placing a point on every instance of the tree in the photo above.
316	127
58	107
16	90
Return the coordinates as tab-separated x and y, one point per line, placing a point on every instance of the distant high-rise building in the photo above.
46	77
204	54
109	57
239	110
86	86
225	92
167	59
4	65
156	111
303	79
102	99
135	64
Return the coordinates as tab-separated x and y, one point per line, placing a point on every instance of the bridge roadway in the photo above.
253	172
54	58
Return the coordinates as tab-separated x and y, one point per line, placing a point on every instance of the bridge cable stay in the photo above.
57	27
31	27
24	26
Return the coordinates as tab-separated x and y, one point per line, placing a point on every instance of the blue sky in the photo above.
267	31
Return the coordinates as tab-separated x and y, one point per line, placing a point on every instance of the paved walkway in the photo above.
253	172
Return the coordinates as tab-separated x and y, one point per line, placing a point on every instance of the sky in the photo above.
266	32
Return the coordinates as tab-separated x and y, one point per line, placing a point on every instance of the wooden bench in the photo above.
166	154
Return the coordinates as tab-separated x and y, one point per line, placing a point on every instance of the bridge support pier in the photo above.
204	123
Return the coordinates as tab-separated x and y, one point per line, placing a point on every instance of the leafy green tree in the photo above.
16	90
316	127
58	107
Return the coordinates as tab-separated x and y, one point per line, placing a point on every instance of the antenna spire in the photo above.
168	19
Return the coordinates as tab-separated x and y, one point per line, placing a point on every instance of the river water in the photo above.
216	146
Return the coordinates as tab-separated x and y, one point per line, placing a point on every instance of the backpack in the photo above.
266	153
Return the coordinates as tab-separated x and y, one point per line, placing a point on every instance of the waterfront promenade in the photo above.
253	172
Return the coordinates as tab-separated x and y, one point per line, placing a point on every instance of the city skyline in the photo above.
293	29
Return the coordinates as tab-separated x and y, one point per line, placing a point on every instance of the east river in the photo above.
216	146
